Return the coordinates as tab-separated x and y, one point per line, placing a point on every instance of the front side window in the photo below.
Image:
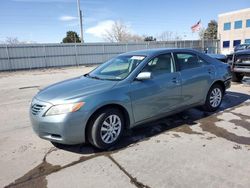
238	24
227	26
160	65
117	68
188	61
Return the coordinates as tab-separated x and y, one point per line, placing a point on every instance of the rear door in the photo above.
196	76
159	94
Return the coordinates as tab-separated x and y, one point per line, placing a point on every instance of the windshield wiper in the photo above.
94	77
98	78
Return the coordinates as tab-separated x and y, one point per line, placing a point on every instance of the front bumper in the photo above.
242	69
66	128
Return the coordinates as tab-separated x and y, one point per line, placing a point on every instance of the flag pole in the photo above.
203	43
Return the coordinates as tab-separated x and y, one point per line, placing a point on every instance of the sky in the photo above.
47	21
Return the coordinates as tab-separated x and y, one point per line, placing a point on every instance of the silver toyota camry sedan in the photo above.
126	91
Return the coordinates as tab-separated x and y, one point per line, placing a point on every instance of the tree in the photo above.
165	36
168	36
15	40
211	30
201	33
134	38
149	38
12	40
119	32
71	37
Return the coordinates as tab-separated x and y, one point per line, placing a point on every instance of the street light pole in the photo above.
80	19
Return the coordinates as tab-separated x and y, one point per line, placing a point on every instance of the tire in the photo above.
102	133
214	98
237	77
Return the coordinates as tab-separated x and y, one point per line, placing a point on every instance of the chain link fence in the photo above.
30	56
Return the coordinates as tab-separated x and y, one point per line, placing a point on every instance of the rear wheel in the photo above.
214	98
106	128
237	77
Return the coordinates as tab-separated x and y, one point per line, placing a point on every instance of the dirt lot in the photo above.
189	149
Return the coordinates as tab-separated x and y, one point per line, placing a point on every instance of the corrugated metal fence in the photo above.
28	56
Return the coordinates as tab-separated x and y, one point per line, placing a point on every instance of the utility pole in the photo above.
80	19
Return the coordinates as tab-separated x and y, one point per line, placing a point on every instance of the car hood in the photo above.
243	52
73	88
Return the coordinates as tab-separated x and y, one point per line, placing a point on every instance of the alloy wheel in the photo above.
215	97
110	129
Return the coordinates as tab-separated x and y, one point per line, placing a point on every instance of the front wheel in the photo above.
106	128
214	98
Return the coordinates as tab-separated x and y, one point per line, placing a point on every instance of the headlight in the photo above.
64	108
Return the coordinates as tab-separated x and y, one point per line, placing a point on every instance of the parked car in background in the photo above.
240	64
220	57
129	90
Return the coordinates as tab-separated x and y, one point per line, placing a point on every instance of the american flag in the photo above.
196	27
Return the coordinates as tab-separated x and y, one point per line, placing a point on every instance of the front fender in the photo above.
116	96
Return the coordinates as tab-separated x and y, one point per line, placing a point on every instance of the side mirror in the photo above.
143	76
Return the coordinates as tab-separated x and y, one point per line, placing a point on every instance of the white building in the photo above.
233	29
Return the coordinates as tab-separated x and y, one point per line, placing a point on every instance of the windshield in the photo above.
117	68
241	47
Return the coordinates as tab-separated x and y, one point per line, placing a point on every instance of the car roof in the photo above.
152	52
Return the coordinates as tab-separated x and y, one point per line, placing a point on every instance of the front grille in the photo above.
37	108
242	61
242	58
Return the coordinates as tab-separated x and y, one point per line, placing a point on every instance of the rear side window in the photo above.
188	61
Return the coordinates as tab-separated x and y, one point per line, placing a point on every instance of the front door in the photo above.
159	94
